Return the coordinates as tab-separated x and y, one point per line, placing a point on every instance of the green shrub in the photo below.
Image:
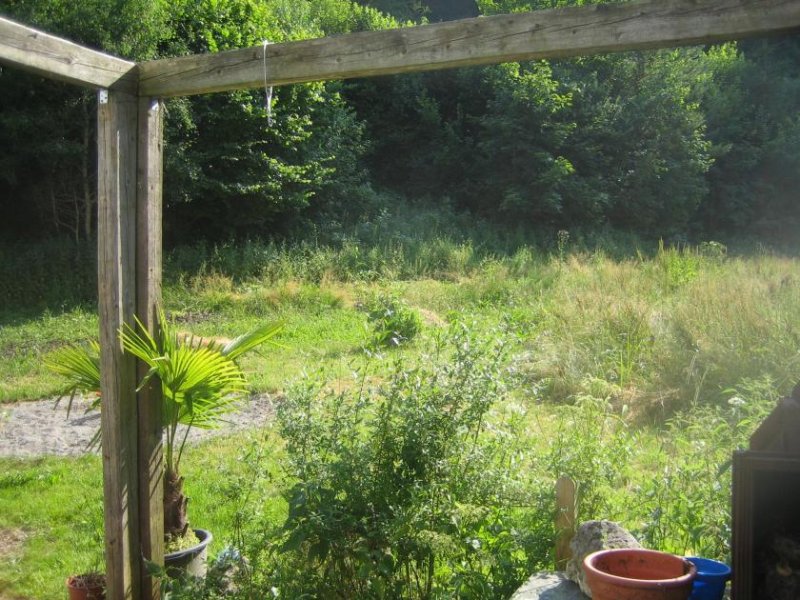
684	502
406	489
393	323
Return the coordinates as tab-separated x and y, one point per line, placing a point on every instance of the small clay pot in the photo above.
638	574
89	586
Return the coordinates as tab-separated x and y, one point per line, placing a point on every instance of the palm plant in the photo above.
200	384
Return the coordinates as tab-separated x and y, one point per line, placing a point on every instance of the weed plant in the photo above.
684	503
409	488
391	320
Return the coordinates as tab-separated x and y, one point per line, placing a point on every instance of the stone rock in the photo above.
549	586
590	537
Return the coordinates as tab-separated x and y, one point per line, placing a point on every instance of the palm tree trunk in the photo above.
175	521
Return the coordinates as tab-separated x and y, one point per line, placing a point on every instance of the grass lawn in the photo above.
51	525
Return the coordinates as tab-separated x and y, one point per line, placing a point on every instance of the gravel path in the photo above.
29	429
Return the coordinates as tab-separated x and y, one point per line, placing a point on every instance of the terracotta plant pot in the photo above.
638	574
89	586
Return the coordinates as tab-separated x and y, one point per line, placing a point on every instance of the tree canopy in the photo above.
695	141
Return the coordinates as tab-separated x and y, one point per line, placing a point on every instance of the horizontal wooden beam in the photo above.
55	58
555	33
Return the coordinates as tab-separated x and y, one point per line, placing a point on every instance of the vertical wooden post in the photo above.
565	520
148	298
116	154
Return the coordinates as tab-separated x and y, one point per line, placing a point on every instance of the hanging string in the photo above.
267	88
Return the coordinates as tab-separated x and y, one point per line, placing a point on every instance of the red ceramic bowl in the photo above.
638	574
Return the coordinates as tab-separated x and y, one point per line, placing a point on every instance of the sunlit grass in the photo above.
644	338
53	508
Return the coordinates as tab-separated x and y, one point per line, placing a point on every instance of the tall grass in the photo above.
693	341
662	327
668	331
412	242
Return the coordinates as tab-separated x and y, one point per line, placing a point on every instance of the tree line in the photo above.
693	142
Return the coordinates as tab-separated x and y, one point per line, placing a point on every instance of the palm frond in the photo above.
251	339
80	366
139	342
200	384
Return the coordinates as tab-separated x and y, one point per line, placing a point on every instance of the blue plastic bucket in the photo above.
711	578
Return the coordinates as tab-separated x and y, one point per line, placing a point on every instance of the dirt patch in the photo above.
41	428
11	542
20	348
431	318
190	317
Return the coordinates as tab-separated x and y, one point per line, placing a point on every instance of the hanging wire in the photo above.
267	88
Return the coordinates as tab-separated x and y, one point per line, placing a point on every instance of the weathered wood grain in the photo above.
55	58
148	292
117	155
566	508
553	33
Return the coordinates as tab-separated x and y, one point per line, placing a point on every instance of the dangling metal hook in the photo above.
267	88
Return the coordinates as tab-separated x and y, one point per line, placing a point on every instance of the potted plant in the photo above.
201	382
87	586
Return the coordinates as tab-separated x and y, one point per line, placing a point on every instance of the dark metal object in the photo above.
766	495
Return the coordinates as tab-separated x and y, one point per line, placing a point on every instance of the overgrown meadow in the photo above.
430	389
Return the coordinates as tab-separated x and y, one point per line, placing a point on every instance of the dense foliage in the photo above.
698	141
408	489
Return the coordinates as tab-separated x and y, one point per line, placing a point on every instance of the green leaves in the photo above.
403	490
393	322
200	382
251	340
80	366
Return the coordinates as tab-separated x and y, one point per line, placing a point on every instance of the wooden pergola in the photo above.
130	146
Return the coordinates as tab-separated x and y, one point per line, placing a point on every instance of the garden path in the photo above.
42	427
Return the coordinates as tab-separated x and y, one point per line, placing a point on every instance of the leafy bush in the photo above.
685	501
591	445
393	322
408	488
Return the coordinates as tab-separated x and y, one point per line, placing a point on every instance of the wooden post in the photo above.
117	153
565	520
148	298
